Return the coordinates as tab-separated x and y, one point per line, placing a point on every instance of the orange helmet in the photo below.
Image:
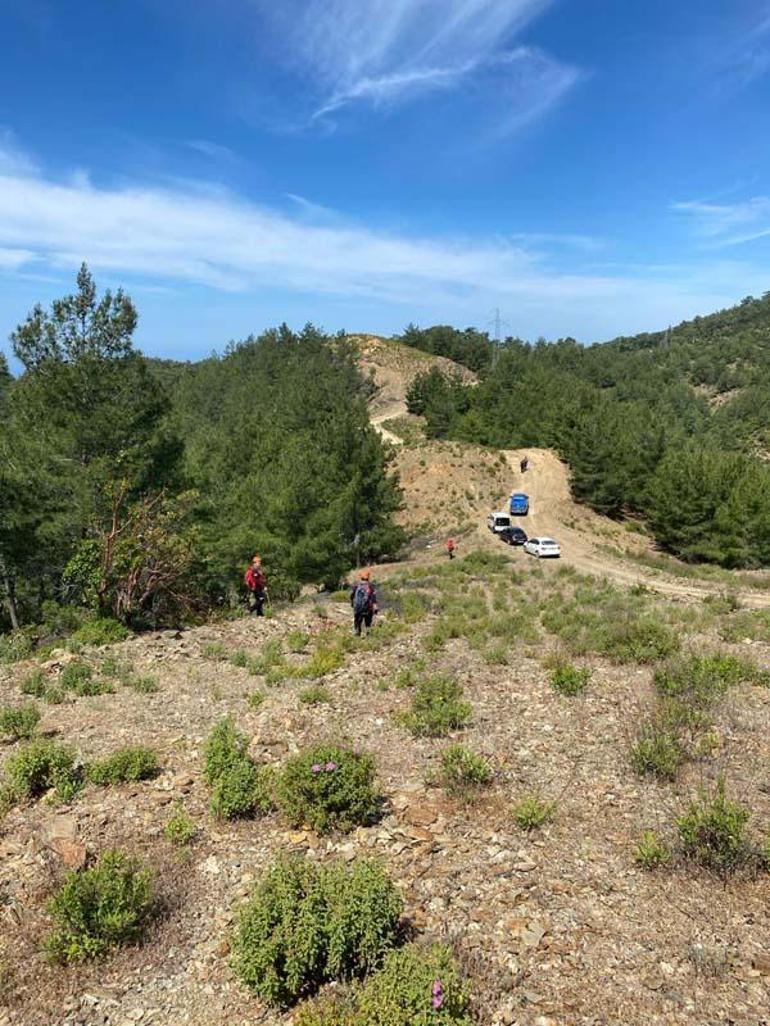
365	575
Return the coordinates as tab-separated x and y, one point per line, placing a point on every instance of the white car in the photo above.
497	522
542	547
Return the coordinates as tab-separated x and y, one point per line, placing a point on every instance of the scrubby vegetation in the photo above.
307	924
19	721
463	773
41	766
240	788
99	908
127	764
327	788
437	707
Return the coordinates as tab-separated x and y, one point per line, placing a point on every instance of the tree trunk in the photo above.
10	595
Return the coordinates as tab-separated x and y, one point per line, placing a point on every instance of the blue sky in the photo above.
590	167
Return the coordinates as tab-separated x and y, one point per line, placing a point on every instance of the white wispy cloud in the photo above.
212	150
729	224
173	234
385	52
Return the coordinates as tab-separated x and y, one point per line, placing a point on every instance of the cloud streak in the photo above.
180	235
729	224
387	52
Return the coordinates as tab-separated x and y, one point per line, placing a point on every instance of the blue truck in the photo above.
519	504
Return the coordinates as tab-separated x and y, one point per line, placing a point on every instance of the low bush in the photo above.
327	788
255	699
180	828
214	650
19	721
713	832
78	677
315	695
703	680
532	812
415	986
15	646
658	750
54	695
41	766
34	684
99	908
127	764
297	641
651	852
325	660
143	684
463	773
437	707
240	788
101	631
307	924
570	680
243	790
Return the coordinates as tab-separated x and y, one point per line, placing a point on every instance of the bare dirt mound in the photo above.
393	367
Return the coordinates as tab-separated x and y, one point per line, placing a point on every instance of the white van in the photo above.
498	522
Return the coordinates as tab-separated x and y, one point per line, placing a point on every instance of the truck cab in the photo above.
497	522
519	504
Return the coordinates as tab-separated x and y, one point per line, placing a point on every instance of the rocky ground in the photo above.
554	927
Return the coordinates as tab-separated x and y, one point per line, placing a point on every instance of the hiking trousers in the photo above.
362	619
257	602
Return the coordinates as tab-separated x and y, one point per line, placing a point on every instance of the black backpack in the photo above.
362	598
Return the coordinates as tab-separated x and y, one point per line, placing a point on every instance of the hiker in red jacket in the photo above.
363	599
256	582
451	545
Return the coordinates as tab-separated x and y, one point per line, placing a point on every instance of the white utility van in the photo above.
498	522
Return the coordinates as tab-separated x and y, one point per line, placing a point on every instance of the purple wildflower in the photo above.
316	768
330	767
438	994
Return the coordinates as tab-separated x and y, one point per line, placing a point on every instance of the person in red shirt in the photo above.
256	582
451	545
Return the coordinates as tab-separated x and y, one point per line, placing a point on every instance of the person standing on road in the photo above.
524	465
363	599
256	582
451	546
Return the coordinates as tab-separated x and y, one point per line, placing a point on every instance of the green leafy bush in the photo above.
180	828
99	908
226	747
101	631
437	707
703	680
78	676
713	832
19	721
325	660
532	812
127	764
415	987
54	695
329	788
255	699
297	641
315	695
658	751
143	684
34	684
242	790
15	646
307	924
651	852
463	773
40	766
570	680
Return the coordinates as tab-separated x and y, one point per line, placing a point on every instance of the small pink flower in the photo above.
438	988
316	768
438	1001
330	767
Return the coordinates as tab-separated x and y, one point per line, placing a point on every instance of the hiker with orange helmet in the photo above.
256	582
451	545
363	599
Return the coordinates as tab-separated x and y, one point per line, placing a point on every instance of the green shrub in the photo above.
180	828
116	667
15	646
437	707
100	908
415	987
658	751
226	747
713	832
532	812
243	790
570	680
329	788
144	684
463	773
651	852
703	680
214	650
101	631
34	684
40	766
127	764
297	641
54	695
240	658
325	660
315	695
78	676
307	924
17	722
255	699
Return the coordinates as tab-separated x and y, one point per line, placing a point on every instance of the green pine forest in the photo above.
673	427
136	490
